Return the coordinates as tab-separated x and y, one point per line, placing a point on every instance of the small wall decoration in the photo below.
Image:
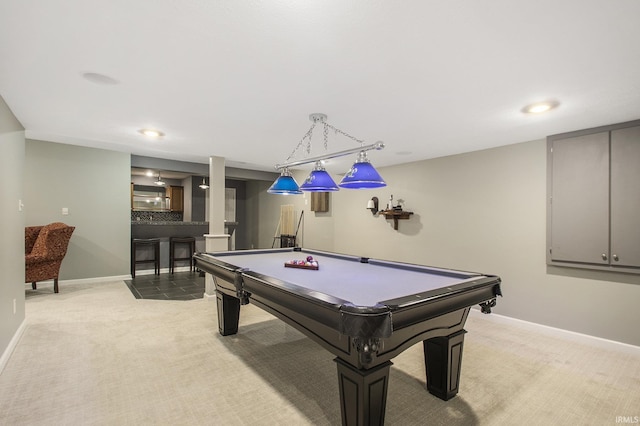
319	201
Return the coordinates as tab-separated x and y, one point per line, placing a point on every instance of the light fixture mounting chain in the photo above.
307	135
360	141
319	117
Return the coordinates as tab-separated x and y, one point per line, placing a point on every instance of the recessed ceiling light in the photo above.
149	173
151	133
540	107
97	78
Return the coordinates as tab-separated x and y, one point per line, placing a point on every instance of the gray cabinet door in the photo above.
580	199
625	197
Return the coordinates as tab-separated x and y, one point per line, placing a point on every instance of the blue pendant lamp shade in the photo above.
319	180
285	184
362	175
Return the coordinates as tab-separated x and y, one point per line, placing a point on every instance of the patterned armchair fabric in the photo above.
30	236
45	247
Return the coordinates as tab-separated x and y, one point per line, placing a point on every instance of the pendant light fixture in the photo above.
285	184
319	180
362	174
204	185
160	182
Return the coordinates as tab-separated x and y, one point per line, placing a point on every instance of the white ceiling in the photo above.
238	79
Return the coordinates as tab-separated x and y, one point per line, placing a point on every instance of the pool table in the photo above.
364	311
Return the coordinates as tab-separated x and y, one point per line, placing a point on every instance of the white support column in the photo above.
216	239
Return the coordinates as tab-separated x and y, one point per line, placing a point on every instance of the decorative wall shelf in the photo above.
395	215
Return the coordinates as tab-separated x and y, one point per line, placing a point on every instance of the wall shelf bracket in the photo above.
395	215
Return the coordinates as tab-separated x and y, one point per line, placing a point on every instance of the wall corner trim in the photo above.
4	359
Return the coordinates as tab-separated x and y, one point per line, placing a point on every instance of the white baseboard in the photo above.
96	280
4	359
560	333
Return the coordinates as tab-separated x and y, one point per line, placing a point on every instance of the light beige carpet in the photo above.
95	355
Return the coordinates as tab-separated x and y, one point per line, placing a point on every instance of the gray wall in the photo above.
94	184
263	213
254	189
242	236
485	212
11	226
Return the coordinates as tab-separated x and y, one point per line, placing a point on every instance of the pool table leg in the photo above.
228	313
443	359
363	393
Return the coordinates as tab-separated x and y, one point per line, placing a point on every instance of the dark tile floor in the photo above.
177	286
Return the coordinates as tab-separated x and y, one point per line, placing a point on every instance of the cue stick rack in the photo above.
285	227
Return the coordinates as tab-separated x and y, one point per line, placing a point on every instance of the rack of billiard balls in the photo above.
308	263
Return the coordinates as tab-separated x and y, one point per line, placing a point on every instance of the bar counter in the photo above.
168	228
163	230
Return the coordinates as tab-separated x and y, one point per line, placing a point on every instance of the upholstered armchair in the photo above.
45	247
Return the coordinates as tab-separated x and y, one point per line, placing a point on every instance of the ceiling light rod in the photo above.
377	146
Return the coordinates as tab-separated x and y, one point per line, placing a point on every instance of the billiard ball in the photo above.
309	258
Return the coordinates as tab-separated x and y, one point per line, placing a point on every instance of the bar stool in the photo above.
145	242
191	241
